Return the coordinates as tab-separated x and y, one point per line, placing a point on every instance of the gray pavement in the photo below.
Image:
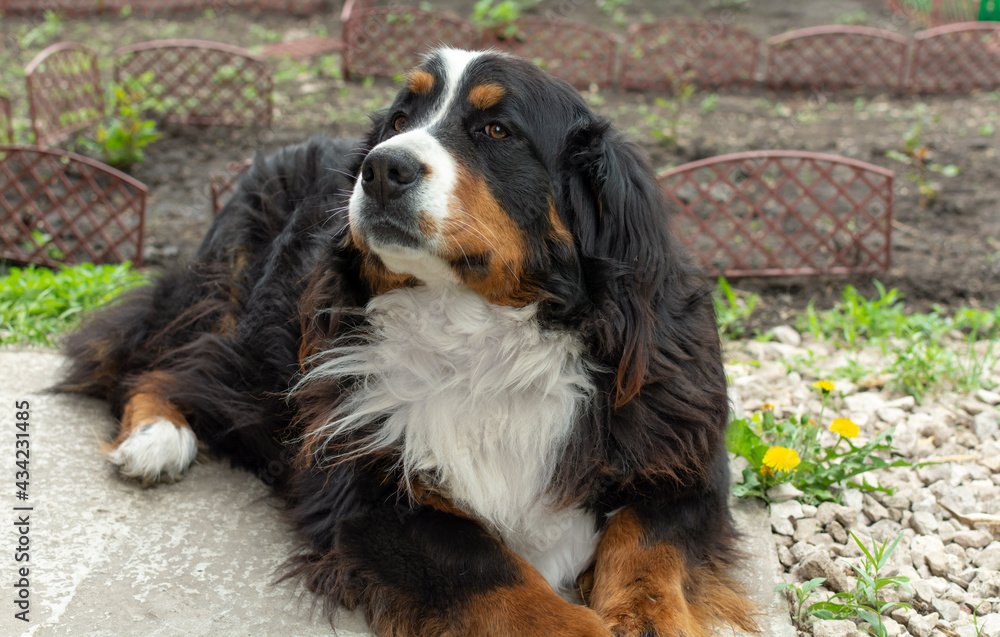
194	558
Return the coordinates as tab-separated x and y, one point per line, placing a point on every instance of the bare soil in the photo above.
947	252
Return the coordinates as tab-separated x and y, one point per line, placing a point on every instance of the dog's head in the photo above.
488	172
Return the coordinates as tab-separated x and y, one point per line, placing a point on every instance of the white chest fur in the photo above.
481	400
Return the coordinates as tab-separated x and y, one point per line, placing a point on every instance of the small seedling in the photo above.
120	141
802	594
490	13
50	28
864	602
733	308
917	154
666	118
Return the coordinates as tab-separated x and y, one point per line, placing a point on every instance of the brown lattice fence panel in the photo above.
956	58
64	91
389	40
836	57
202	82
57	207
783	212
6	122
224	184
658	54
938	12
93	7
578	53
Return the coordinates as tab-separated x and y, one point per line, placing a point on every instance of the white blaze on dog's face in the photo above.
458	186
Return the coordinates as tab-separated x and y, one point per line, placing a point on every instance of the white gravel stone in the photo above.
988	397
820	564
891	415
834	628
990	625
923	590
947	609
787	335
789	509
922	625
873	509
784	492
906	402
892	627
973	406
805	528
986	424
989	559
866	402
924	522
972	539
851	499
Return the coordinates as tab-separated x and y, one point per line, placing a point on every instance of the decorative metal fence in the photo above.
64	91
783	213
656	55
202	82
936	12
836	57
75	8
6	122
578	53
386	41
58	207
956	57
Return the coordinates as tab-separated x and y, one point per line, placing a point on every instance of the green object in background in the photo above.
989	10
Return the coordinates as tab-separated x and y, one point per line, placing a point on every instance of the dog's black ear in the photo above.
614	207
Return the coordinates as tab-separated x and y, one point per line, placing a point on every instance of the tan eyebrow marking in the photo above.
420	82
484	96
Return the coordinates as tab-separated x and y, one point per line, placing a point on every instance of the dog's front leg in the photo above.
661	567
426	572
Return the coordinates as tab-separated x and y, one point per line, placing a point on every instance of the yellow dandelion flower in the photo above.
824	385
845	427
781	458
766	471
767	407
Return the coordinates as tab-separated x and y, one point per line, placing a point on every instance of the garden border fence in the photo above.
57	207
804	220
64	91
243	82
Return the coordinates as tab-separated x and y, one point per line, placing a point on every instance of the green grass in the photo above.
733	309
38	304
918	362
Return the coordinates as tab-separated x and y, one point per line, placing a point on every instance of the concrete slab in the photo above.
194	558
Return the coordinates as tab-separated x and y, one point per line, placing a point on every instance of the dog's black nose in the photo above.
387	174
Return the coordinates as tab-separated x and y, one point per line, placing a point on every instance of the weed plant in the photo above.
120	141
918	362
790	450
863	603
916	154
733	309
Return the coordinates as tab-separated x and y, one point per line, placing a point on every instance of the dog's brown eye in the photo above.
400	122
496	131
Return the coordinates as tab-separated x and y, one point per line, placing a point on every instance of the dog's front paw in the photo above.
651	617
157	452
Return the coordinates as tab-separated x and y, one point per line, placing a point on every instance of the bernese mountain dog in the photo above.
468	353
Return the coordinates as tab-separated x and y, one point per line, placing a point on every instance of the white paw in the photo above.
157	452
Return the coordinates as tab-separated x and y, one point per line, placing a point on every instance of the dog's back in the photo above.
215	340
